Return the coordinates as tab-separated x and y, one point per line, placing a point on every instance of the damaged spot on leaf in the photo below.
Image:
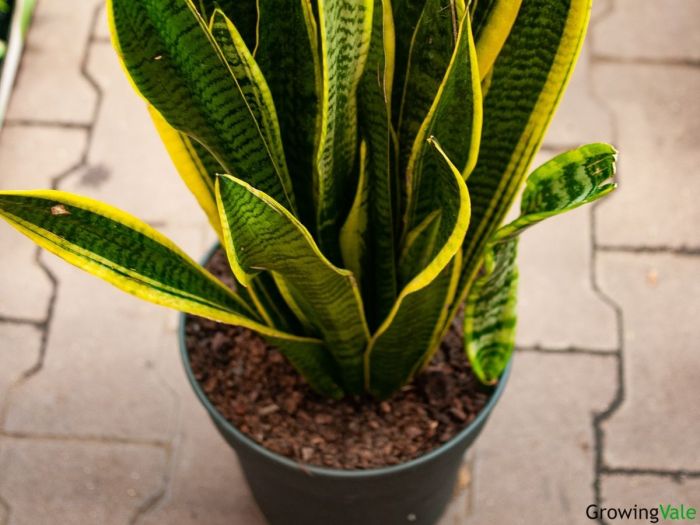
59	209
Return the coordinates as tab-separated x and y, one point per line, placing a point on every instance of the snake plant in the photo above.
356	158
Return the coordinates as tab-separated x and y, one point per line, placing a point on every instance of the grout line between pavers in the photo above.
95	439
38	324
676	475
603	58
691	251
38	123
568	350
158	495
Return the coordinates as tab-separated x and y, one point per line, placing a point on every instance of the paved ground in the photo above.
97	423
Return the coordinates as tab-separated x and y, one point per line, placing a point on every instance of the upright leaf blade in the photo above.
491	24
568	181
455	120
409	333
261	235
353	234
345	29
431	51
251	83
288	56
176	65
374	105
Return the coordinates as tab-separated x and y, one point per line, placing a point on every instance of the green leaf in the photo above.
251	83
527	81
490	313
135	258
243	14
409	333
419	247
345	29
289	58
492	22
374	107
261	235
353	245
566	182
430	54
455	120
176	65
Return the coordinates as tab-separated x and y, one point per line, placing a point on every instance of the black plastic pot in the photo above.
290	493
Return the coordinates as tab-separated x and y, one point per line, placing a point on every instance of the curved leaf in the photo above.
490	313
454	119
527	81
568	181
403	340
261	235
345	28
431	52
175	64
135	258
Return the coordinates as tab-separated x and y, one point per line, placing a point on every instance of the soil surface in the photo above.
258	391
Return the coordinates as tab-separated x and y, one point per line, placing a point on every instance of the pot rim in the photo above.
324	471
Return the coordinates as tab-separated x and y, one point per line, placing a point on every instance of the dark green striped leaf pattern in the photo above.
260	235
177	66
120	249
429	56
308	131
251	84
490	313
243	14
570	180
409	333
455	120
345	29
288	56
527	81
374	106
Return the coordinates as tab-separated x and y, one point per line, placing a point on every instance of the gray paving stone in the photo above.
206	484
19	351
534	461
102	27
557	306
659	126
22	168
581	118
31	156
97	378
649	30
650	491
77	483
49	84
658	425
